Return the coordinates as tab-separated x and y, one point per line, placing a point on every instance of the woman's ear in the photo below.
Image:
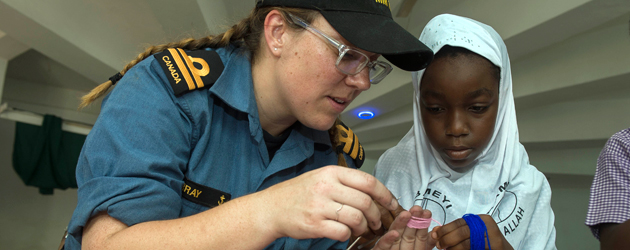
275	32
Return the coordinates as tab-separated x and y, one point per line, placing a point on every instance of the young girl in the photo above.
463	153
231	141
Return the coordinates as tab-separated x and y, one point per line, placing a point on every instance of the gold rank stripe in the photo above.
384	2
191	66
351	142
182	67
355	145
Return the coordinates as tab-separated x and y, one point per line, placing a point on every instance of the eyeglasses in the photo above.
350	61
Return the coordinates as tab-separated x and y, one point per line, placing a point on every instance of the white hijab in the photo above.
502	183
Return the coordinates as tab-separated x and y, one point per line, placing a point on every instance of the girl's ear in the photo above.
275	32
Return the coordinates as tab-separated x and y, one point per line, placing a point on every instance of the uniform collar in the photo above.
235	86
317	136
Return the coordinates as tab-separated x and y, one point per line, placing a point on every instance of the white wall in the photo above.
28	219
3	71
570	203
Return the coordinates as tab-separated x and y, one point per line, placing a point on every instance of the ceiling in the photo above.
570	59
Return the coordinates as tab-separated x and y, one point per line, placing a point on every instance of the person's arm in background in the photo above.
609	207
614	236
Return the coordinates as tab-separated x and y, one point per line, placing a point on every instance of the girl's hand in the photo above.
456	235
370	237
310	205
402	237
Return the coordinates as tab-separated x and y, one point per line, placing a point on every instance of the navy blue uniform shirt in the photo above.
146	141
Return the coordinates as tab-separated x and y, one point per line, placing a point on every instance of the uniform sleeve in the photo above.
350	161
610	191
329	244
133	160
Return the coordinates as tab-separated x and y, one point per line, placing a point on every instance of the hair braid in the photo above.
188	44
246	33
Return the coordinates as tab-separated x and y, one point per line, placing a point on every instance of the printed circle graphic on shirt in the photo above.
505	207
435	207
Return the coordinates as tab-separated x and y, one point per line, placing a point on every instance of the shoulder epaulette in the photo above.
187	71
349	144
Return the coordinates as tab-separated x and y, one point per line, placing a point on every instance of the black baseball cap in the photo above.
368	25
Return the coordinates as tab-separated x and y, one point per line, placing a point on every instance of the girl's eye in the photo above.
479	109
434	109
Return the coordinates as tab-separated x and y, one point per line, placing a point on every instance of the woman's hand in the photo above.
331	202
402	237
456	235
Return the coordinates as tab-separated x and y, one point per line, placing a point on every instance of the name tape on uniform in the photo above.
203	195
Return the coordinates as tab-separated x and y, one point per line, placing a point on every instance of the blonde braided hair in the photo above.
246	33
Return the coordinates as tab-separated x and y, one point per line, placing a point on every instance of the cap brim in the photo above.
380	34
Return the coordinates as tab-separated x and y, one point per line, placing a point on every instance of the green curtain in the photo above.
45	156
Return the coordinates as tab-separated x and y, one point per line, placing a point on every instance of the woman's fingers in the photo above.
361	202
333	230
368	184
351	217
369	238
363	190
388	216
317	204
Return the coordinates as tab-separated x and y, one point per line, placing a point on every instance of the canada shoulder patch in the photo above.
187	71
349	144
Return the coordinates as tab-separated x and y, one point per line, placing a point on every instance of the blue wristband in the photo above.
478	232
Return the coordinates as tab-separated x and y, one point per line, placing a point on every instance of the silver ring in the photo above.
337	212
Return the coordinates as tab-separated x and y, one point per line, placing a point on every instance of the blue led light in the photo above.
366	114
